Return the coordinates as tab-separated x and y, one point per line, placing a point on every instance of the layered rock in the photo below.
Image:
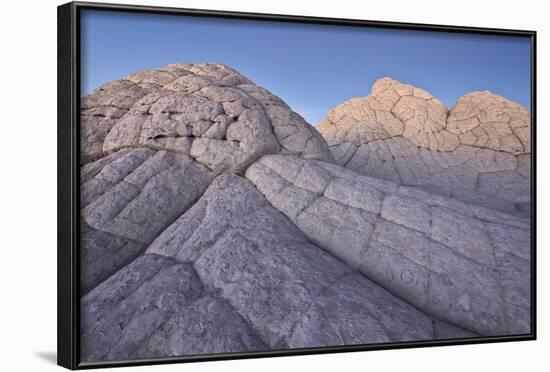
261	242
478	152
206	111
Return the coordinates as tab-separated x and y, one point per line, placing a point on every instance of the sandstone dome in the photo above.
205	110
214	219
478	151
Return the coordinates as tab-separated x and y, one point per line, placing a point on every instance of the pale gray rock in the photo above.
356	193
208	325
467	292
339	228
214	219
510	239
339	317
207	111
294	134
100	176
516	286
477	212
434	252
276	279
342	230
136	198
446	331
100	110
513	256
398	261
477	152
435	278
128	198
232	274
507	185
467	235
103	254
157	307
407	212
130	305
223	205
90	170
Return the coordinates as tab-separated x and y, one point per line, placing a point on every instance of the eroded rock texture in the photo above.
207	111
457	262
156	306
478	152
259	241
235	253
127	199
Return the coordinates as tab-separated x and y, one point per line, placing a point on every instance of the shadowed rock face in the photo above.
263	242
478	152
207	111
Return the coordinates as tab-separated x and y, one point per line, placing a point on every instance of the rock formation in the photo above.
478	152
214	219
207	111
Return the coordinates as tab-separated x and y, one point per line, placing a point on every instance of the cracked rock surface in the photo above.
459	263
478	152
262	241
207	111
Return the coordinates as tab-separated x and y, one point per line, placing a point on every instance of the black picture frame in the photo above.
68	181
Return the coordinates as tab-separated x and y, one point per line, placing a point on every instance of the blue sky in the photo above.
311	67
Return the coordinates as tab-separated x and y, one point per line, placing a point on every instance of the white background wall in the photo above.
28	184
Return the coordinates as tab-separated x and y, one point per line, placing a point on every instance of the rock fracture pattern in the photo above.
215	219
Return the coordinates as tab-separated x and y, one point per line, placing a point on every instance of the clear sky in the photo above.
311	67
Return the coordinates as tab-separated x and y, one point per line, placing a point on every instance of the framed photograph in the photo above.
237	185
